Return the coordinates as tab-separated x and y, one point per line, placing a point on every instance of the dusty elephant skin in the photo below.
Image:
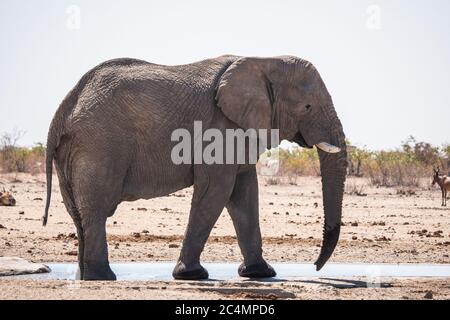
111	142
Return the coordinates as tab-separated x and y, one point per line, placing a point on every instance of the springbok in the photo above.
6	198
444	182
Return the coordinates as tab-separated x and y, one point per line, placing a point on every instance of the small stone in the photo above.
21	212
354	224
354	238
173	245
37	199
428	295
142	209
136	234
72	253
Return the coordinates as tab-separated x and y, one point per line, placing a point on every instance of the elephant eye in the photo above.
308	106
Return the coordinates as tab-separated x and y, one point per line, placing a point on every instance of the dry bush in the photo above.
273	181
10	159
406	192
395	173
20	159
404	167
299	162
290	164
357	189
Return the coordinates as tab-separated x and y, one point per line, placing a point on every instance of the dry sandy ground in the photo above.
382	227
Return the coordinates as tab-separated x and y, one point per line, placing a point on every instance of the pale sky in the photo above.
385	62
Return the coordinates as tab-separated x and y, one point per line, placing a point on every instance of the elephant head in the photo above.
287	93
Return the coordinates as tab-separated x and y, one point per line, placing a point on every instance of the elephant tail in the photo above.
49	174
56	132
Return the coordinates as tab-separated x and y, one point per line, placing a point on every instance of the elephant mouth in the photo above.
324	146
300	140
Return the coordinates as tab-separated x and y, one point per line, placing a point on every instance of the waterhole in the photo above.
228	271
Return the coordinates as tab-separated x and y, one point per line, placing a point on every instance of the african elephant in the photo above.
111	142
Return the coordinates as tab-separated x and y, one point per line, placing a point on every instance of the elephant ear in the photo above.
244	94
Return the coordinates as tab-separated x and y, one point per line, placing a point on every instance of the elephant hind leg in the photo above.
74	213
97	191
95	259
93	247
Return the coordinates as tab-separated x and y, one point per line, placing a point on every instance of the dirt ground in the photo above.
380	227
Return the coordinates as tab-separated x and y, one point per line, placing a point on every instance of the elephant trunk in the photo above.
333	168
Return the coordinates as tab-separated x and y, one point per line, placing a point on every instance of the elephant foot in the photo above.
99	274
257	270
195	272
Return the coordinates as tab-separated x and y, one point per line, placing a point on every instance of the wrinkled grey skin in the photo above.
110	139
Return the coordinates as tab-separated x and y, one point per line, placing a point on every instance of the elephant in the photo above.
110	141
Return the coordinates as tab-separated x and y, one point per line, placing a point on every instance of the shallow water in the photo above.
228	271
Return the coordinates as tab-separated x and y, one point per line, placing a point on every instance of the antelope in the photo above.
444	182
6	198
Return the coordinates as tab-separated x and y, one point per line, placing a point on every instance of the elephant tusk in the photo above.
328	147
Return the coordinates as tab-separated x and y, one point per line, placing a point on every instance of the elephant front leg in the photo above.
212	191
244	211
